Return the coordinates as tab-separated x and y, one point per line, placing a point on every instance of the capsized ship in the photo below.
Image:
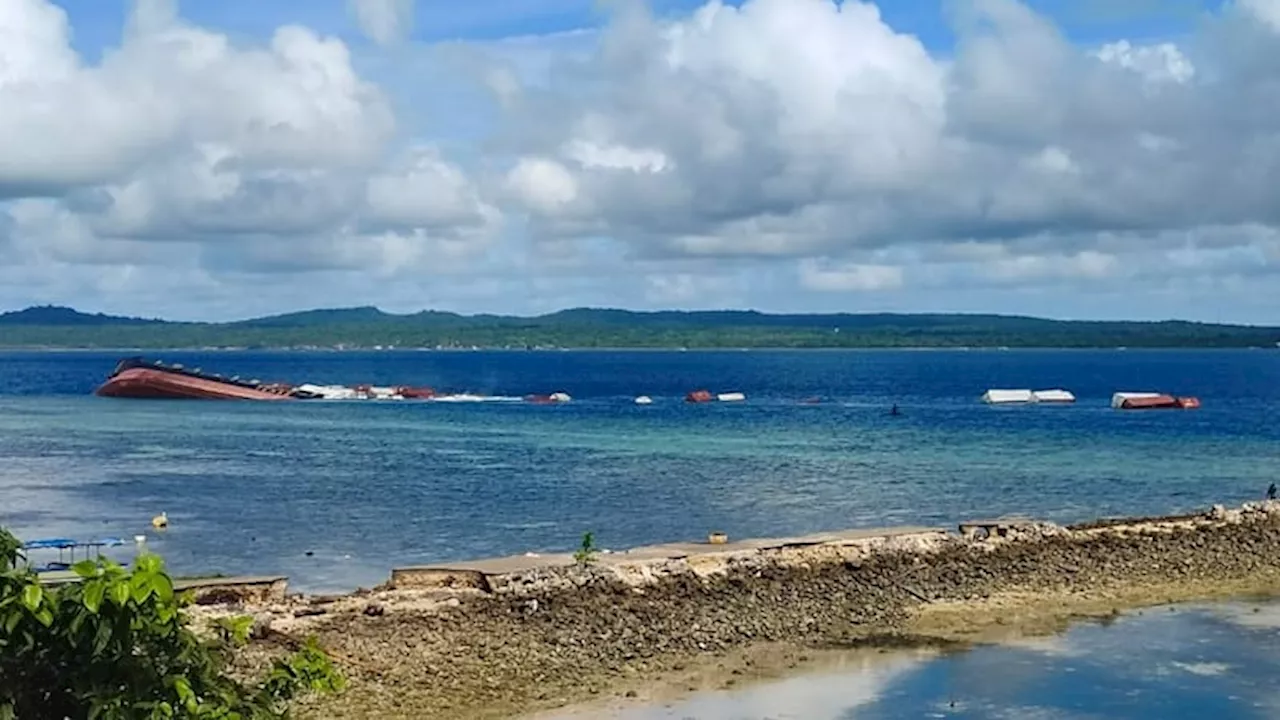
141	378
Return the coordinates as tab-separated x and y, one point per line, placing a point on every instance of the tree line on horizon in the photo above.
56	327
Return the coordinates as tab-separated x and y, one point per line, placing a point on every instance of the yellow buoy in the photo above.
160	521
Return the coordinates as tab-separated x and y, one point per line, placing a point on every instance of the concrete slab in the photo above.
456	572
502	565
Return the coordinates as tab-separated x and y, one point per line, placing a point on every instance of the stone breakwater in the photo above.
510	637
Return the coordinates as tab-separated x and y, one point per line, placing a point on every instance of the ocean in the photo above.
335	494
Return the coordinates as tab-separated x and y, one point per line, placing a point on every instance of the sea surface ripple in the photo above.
335	494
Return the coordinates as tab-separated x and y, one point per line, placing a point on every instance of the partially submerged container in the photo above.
326	392
1149	402
1054	396
731	397
1158	401
1004	397
644	400
699	396
1119	399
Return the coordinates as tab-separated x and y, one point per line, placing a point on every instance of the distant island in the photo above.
370	328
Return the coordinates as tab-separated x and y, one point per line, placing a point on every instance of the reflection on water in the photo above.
1215	661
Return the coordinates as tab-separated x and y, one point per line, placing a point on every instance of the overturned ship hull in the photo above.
136	378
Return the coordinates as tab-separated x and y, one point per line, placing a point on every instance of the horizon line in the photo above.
650	311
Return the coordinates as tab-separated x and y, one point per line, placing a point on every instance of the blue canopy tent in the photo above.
66	548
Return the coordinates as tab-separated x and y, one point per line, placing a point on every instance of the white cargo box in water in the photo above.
328	392
999	397
1118	399
1054	396
731	397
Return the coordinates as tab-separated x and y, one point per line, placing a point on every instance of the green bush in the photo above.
116	646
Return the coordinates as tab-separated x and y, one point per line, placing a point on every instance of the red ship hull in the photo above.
141	382
1161	402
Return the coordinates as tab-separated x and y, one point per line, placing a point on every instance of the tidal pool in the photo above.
1200	661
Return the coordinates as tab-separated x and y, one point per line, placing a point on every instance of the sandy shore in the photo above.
513	637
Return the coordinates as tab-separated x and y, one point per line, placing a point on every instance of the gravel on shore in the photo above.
549	637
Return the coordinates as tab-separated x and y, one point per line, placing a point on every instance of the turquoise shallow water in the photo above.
335	494
1192	662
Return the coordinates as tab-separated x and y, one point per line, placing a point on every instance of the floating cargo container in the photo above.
1054	396
1119	399
1023	397
1003	397
1153	401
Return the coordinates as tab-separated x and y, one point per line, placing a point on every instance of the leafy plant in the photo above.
116	646
586	553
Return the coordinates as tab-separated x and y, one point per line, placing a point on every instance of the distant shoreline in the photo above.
611	329
146	351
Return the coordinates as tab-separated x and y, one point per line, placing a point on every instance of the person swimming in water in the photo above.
894	410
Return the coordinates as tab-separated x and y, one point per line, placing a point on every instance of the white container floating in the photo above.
1054	396
731	397
1006	397
644	400
1118	399
329	392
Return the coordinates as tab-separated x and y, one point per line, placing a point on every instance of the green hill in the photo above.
58	327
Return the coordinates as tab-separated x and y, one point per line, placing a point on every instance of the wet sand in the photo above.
517	637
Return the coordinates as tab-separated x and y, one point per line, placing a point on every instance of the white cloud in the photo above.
294	103
427	192
857	140
1157	63
592	156
544	185
1088	264
850	277
1268	11
778	153
687	290
383	21
256	157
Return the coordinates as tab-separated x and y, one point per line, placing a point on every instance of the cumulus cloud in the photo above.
849	277
271	156
423	191
383	21
730	137
776	153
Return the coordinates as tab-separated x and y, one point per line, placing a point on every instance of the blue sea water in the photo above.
335	494
1193	662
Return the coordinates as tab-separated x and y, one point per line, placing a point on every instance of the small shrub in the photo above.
586	553
116	646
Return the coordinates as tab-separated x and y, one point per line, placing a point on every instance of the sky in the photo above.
1110	159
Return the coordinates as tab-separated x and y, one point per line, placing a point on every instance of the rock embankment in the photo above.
544	636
